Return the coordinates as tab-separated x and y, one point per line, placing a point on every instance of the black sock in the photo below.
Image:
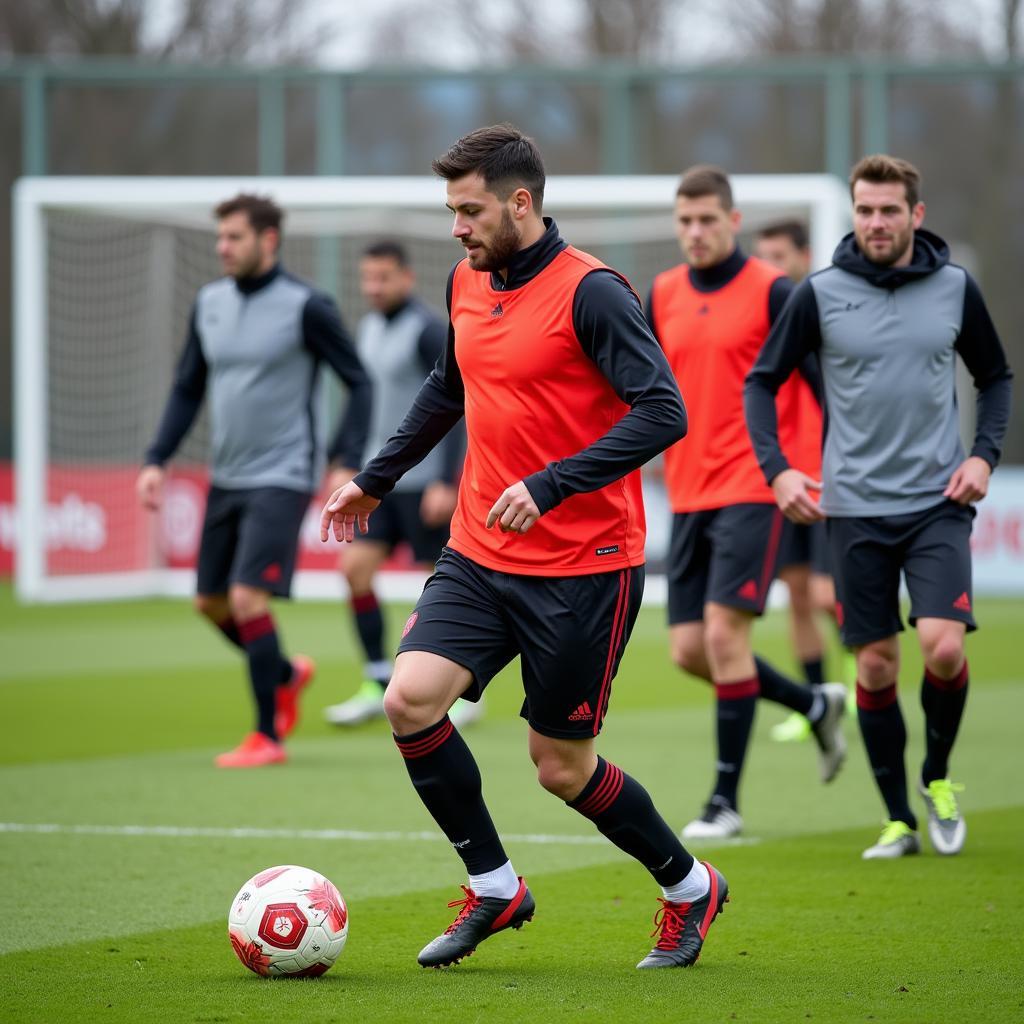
623	812
885	738
230	630
781	689
267	668
369	622
814	671
734	718
447	780
943	702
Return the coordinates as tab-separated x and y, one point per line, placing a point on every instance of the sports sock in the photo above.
623	812
378	672
781	689
814	671
501	883
267	668
885	738
369	622
447	779
692	887
735	704
229	628
943	701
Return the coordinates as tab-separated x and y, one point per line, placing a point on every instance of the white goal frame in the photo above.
823	196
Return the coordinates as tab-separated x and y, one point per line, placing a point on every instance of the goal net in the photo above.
106	270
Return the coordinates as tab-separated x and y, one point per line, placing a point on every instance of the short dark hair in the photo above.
794	230
262	211
502	155
706	180
387	249
880	168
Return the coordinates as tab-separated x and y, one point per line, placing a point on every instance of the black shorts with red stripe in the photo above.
569	631
250	536
931	548
726	555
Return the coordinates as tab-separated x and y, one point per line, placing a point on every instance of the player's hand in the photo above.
347	508
969	483
338	476
515	511
150	487
792	491
438	504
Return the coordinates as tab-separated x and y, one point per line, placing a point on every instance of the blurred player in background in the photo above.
803	562
398	342
887	321
711	315
255	342
565	394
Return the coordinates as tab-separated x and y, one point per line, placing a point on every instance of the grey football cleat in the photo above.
946	827
682	927
479	917
717	821
828	731
366	704
898	839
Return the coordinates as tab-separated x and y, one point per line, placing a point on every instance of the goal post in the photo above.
105	271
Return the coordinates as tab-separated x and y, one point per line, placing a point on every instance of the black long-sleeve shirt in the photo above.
612	331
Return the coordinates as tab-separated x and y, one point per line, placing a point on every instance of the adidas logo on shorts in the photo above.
582	713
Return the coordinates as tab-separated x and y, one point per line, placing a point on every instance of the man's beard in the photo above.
248	268
900	244
506	243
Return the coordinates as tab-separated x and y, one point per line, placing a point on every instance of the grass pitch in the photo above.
121	846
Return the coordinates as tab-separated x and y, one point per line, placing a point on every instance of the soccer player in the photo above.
887	321
803	563
255	341
565	395
399	341
711	316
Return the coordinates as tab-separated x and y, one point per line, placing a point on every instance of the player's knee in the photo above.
561	778
723	639
876	667
247	603
688	654
944	655
409	712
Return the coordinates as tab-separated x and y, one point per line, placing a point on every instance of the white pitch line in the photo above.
187	832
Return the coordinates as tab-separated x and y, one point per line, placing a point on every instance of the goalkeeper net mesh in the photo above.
107	274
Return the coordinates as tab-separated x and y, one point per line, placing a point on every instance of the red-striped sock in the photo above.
943	701
885	739
623	811
447	779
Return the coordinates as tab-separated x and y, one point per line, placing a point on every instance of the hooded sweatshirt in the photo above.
887	339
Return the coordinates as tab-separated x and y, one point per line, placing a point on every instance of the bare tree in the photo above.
269	30
860	27
529	31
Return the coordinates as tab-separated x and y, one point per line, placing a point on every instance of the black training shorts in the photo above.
251	537
726	555
933	550
805	544
397	519
570	632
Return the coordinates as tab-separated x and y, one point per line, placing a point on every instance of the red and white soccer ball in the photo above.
288	920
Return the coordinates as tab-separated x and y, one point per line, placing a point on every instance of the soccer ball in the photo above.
288	921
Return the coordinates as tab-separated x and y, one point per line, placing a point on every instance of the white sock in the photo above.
695	885
378	671
817	706
501	883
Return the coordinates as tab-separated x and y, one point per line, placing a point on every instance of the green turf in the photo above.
113	713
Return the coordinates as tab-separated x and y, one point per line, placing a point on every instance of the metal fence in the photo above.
962	124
